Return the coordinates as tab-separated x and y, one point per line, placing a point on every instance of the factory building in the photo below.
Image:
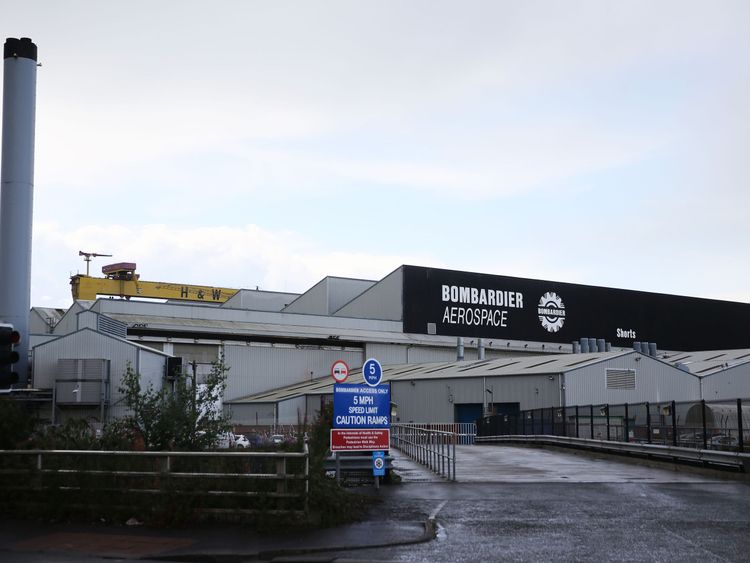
450	339
515	336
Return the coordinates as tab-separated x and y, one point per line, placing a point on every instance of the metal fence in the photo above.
207	482
719	425
433	448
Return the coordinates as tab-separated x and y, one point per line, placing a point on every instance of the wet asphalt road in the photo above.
545	505
707	521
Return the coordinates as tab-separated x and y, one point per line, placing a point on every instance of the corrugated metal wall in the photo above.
732	383
292	412
257	414
313	302
69	321
435	400
655	381
390	354
386	354
91	345
255	368
426	354
382	301
200	353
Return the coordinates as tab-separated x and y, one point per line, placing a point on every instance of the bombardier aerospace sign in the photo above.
452	303
478	306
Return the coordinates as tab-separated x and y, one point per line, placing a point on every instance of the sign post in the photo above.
378	467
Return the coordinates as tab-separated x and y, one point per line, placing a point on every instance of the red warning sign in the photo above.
360	439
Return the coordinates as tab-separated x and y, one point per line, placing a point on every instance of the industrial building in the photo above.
519	340
455	344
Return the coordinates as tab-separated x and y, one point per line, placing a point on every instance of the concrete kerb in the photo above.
429	534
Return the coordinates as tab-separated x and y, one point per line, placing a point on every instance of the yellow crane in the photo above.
121	280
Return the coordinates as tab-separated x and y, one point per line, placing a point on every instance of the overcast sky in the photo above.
243	144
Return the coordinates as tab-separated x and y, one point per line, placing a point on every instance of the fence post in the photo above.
740	427
442	455
703	413
674	423
607	411
306	450
281	475
454	457
591	420
577	423
648	423
627	425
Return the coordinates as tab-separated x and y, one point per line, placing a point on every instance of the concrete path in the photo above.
499	463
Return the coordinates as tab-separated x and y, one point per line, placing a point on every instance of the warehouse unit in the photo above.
465	391
84	369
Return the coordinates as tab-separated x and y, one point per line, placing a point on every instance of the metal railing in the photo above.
705	458
210	482
435	449
717	425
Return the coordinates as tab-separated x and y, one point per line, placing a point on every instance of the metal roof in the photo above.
707	362
247	328
507	366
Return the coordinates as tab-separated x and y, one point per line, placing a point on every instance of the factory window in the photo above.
620	378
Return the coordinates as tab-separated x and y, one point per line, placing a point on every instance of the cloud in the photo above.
237	257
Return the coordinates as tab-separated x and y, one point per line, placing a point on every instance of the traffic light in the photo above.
9	338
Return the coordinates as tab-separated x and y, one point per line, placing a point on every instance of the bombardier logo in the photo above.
551	311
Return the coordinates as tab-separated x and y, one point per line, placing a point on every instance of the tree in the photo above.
186	416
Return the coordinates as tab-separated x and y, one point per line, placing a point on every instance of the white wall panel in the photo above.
386	354
655	382
427	354
732	383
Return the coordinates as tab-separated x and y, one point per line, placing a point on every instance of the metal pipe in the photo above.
17	195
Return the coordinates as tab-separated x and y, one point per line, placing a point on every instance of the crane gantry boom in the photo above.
121	280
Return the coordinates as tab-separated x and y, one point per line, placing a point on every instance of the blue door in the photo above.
467	412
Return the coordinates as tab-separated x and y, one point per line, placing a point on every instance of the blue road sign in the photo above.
378	464
372	371
361	406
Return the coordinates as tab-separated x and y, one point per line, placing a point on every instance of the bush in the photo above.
185	418
330	504
16	425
